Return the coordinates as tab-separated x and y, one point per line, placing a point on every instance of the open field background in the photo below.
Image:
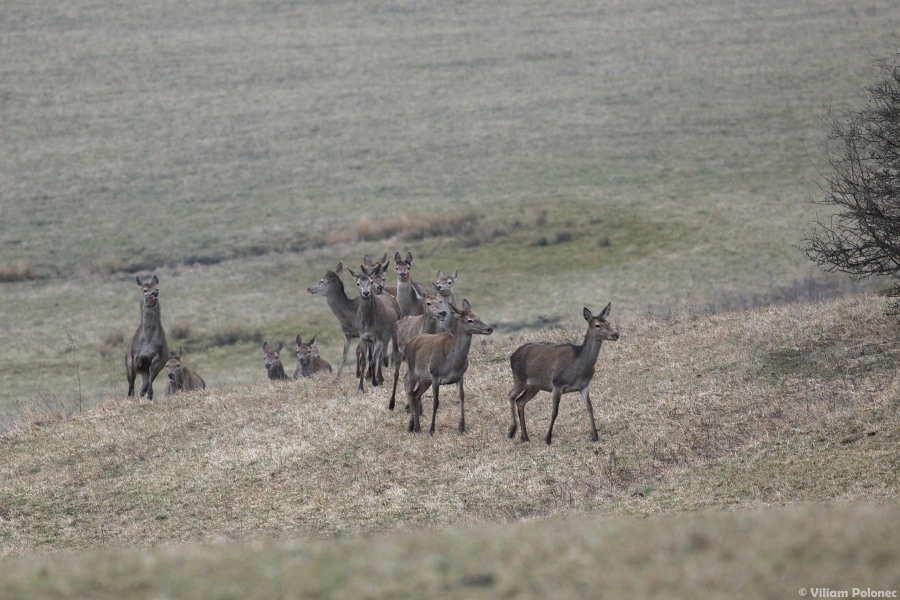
573	153
559	155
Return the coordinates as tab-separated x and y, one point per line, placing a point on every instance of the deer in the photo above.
558	369
308	360
408	327
436	359
444	286
148	351
375	322
344	309
377	270
181	378
272	362
408	291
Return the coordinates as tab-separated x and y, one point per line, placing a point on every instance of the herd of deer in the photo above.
424	327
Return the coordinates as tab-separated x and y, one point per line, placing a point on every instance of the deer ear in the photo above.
409	257
605	311
265	346
455	275
352	274
587	314
313	340
339	268
138	279
298	340
466	305
155	280
278	347
397	257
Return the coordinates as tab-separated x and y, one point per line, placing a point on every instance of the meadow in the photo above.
660	156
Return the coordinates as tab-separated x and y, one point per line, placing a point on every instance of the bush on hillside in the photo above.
863	184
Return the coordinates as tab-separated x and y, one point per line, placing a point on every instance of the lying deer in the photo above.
558	369
308	360
272	361
148	351
181	378
436	359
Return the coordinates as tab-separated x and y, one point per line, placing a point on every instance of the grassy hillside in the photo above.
556	153
738	412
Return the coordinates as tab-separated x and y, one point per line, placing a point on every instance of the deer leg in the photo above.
435	387
377	359
586	397
462	405
513	394
398	360
521	401
129	372
145	383
362	372
344	358
557	394
415	403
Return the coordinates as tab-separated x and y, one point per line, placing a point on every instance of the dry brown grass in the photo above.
740	411
804	391
18	270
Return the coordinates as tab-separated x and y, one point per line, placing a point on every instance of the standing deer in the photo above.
344	308
377	270
409	327
308	360
558	369
436	359
407	289
375	322
148	352
272	361
181	378
444	286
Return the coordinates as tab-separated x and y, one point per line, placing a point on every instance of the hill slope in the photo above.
744	410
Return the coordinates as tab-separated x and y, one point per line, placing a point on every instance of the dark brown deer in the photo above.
436	359
407	299
558	369
375	322
181	378
148	351
272	361
308	360
409	327
344	308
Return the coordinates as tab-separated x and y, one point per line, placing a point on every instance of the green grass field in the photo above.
558	154
636	152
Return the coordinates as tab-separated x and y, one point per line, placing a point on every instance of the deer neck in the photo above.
339	301
459	347
150	316
429	324
277	372
590	350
